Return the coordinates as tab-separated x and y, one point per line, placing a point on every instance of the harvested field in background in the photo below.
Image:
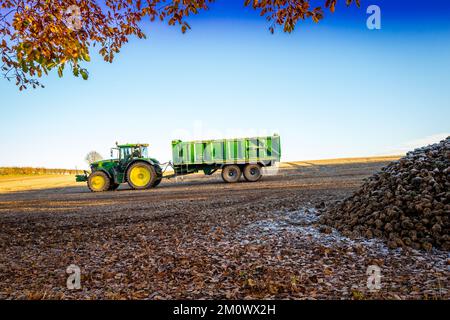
35	182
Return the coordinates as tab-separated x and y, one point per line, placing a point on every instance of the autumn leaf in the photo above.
84	74
251	282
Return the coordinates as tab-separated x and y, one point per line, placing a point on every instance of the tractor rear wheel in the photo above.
99	181
141	175
157	182
231	173
252	172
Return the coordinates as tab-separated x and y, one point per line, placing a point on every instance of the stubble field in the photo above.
201	238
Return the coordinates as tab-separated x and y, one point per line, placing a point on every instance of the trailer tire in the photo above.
141	175
252	172
98	181
231	173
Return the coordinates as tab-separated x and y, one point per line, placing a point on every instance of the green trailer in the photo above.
234	157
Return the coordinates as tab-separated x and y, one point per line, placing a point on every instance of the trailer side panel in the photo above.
264	150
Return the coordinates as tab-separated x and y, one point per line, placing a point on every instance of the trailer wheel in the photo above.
231	173
252	172
141	175
98	181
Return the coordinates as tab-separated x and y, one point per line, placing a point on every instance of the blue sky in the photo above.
333	89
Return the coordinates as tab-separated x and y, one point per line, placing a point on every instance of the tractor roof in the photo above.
132	145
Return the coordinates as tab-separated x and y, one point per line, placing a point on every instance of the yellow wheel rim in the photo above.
98	183
140	176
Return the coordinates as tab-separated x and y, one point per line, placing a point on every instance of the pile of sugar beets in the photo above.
407	203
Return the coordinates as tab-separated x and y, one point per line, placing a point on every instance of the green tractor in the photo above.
131	164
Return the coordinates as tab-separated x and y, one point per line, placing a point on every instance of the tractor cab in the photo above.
127	152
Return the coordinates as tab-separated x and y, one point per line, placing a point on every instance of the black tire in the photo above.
144	166
157	182
231	173
93	184
252	172
113	186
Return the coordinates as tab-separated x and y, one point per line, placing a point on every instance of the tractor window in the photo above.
144	152
114	153
124	153
136	153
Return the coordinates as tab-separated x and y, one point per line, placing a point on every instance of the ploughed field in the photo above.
201	238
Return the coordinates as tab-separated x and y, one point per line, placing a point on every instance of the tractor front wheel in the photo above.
99	181
141	175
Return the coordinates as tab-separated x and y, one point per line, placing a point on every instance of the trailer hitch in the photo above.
167	165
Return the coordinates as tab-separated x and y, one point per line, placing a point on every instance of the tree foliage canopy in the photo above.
41	35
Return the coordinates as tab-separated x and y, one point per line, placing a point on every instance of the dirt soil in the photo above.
201	238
